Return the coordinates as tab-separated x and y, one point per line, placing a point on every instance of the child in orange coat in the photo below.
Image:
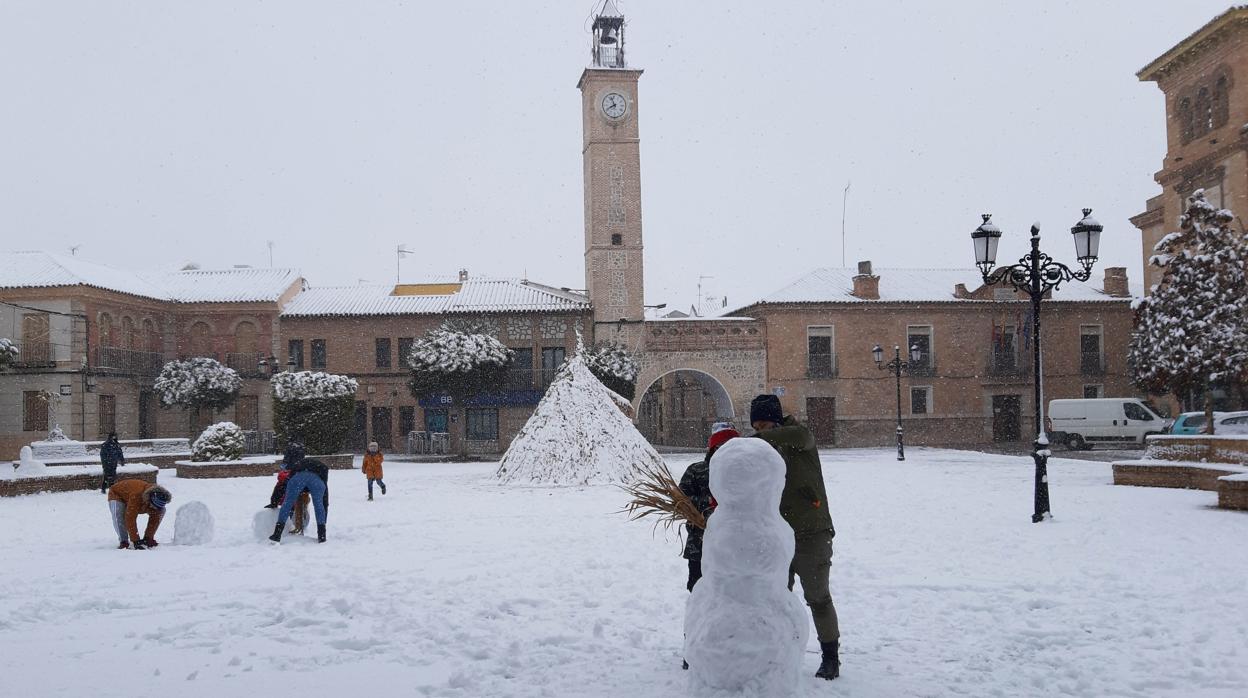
372	468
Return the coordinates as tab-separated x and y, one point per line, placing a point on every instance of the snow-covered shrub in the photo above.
456	363
8	352
614	365
1193	330
317	409
199	383
310	385
221	441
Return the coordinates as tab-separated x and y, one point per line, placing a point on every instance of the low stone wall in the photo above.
80	479
254	467
1197	448
1233	492
162	460
247	467
1190	476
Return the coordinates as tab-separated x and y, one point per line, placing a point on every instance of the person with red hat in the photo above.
696	484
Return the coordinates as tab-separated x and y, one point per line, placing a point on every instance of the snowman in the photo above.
745	632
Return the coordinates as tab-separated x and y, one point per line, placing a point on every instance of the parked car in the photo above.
1079	424
1230	423
1192	423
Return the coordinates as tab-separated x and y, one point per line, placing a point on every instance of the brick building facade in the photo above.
973	383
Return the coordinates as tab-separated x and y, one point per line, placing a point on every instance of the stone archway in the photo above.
678	407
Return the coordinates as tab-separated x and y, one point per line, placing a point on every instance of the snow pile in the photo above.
576	436
197	382
310	385
193	524
29	465
745	632
222	441
265	520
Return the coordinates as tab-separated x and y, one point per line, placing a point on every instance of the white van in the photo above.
1081	423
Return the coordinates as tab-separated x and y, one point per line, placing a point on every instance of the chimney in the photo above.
1116	282
463	275
960	291
866	286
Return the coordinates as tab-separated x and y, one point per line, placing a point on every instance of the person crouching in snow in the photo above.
696	484
372	468
294	454
311	476
129	498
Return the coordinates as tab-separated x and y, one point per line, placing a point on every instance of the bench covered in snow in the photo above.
69	478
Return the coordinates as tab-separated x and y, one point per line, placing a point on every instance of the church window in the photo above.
1187	122
617	239
1221	101
1204	112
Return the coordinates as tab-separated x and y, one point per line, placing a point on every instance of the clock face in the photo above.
614	105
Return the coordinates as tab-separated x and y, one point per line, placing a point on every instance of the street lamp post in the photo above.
1037	274
897	366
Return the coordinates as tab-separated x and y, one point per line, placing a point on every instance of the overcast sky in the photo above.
158	133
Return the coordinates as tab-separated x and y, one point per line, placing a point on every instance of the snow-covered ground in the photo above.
451	585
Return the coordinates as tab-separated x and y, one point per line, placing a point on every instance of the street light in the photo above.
897	366
1037	274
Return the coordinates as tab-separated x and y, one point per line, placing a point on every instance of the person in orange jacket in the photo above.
372	468
129	498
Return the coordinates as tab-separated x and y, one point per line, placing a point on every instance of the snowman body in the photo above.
745	632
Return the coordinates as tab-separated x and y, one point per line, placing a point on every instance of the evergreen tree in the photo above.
8	352
614	365
314	408
198	384
1193	330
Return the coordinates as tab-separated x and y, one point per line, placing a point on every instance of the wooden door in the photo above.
1006	410
108	415
383	430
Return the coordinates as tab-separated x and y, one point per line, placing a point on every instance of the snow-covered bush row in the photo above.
614	365
219	442
308	385
199	383
445	351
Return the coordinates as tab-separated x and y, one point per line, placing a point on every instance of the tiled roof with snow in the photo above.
832	285
48	270
473	296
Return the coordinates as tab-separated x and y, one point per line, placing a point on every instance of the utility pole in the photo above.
844	203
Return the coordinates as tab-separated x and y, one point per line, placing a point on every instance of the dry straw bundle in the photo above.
655	493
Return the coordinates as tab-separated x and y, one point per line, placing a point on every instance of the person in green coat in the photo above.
804	505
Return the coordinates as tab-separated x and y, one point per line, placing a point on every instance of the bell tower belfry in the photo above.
612	162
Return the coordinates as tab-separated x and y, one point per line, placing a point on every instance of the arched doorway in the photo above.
679	407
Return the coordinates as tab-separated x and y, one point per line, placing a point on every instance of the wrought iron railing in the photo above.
246	363
1006	364
1091	364
132	361
33	353
820	366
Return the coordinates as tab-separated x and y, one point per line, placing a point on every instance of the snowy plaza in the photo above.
454	585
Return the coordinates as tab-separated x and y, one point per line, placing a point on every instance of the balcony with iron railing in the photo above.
520	379
129	361
246	363
821	366
1091	364
925	366
1006	365
33	354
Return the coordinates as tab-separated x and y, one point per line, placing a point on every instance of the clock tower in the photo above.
612	162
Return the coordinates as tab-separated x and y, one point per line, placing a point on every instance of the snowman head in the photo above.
747	472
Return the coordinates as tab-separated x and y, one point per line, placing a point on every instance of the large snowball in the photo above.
193	524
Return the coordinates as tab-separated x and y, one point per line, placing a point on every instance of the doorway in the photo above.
146	429
359	428
383	429
1006	410
821	417
436	421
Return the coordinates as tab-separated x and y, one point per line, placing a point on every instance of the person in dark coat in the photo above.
111	456
696	484
294	453
804	506
311	476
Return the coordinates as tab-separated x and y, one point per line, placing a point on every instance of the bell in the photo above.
610	37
